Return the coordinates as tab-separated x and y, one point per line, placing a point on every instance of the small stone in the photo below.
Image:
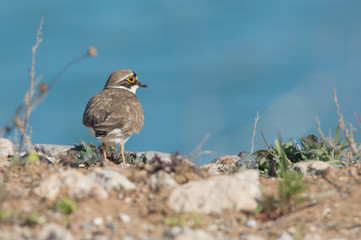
251	237
111	180
98	221
311	168
124	217
194	234
251	223
86	226
313	236
128	237
161	179
151	197
99	236
285	236
110	226
54	231
175	231
327	213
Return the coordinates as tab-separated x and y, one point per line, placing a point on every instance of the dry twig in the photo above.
25	132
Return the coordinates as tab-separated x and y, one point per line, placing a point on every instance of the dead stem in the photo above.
24	137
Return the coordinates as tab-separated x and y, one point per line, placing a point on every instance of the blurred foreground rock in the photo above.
238	192
77	184
313	168
6	148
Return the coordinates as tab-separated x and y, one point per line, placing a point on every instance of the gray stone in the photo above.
311	168
55	232
6	148
111	180
78	185
227	192
194	234
165	157
161	179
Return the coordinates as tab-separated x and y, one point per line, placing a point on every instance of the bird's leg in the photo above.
105	160
122	152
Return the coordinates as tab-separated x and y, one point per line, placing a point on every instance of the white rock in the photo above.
194	234
312	236
311	168
251	223
98	221
124	217
252	237
238	192
285	236
49	188
6	148
55	232
111	180
161	179
78	185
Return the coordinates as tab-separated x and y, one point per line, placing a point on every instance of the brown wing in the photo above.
114	108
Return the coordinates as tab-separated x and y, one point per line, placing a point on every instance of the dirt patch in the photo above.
334	212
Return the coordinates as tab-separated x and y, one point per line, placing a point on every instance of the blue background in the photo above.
210	66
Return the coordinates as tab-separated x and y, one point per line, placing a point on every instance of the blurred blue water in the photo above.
210	66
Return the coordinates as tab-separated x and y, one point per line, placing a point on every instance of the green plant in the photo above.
5	215
289	192
87	154
269	160
33	219
25	160
66	205
189	219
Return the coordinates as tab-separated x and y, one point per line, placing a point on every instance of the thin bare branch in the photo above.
25	139
254	131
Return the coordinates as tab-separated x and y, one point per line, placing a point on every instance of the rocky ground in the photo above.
173	199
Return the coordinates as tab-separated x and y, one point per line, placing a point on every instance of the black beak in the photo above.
142	85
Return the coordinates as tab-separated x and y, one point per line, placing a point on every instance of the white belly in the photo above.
114	137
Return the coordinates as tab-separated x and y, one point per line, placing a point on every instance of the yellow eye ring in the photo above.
131	79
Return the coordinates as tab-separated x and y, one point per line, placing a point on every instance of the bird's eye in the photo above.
131	79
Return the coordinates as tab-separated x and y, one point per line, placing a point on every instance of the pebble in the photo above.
312	236
327	213
285	236
111	179
251	223
98	221
100	237
54	231
86	226
124	217
110	226
175	231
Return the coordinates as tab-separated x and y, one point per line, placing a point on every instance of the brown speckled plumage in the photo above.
115	114
114	108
